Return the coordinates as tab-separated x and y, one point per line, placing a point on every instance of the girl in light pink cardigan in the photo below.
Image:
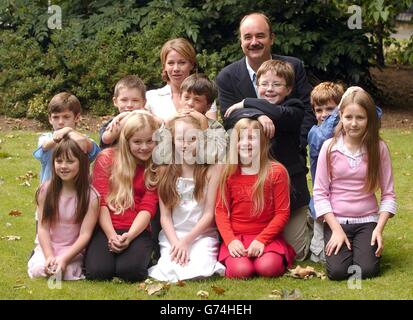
351	167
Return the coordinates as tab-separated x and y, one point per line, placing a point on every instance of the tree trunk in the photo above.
379	48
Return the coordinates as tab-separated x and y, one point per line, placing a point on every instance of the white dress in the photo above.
204	250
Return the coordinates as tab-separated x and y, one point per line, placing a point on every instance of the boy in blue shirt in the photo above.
325	98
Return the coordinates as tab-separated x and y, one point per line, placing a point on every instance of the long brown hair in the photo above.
370	140
67	149
168	174
232	165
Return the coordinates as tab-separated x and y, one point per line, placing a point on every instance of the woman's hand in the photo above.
236	249
256	249
336	242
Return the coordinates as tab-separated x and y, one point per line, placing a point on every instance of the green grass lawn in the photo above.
395	281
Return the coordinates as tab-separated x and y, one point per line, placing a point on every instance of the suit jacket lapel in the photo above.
244	82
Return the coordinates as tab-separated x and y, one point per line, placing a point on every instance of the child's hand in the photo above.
236	249
377	237
180	252
116	123
123	242
347	92
50	266
82	141
235	106
203	120
336	241
268	125
61	264
61	133
114	243
256	249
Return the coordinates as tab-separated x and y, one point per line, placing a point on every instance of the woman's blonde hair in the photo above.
121	196
233	164
183	47
168	174
370	140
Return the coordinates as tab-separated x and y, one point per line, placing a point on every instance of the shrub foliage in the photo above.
101	41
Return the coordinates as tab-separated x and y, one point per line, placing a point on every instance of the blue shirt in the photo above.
45	157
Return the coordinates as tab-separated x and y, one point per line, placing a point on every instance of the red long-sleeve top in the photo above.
240	220
144	198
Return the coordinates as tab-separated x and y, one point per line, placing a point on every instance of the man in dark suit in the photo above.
237	82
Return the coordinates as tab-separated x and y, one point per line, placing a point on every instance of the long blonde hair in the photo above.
121	196
232	165
168	174
370	140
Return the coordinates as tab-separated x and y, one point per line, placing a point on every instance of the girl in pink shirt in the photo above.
68	209
351	167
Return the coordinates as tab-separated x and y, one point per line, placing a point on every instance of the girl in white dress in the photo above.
189	241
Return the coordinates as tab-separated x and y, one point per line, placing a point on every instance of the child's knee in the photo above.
131	273
96	272
270	265
239	268
369	270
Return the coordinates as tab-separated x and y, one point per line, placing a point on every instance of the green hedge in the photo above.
100	42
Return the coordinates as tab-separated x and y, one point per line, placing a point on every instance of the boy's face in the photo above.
272	88
190	100
129	99
66	118
322	112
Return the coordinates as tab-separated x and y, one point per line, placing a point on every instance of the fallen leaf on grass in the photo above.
181	283
11	238
25	183
202	294
294	294
305	273
15	213
218	290
156	289
275	294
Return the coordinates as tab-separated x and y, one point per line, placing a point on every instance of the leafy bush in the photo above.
399	51
102	41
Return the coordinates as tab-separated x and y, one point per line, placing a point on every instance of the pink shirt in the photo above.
343	194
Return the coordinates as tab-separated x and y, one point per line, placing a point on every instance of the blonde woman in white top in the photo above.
178	58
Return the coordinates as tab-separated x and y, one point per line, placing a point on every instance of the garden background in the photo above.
101	41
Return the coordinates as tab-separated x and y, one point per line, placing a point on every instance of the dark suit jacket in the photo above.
285	144
234	85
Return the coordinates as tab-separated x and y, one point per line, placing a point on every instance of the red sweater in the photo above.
144	199
270	223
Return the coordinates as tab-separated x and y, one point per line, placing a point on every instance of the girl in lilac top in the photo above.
351	167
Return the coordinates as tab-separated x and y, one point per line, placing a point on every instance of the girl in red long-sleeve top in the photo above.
253	207
122	245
